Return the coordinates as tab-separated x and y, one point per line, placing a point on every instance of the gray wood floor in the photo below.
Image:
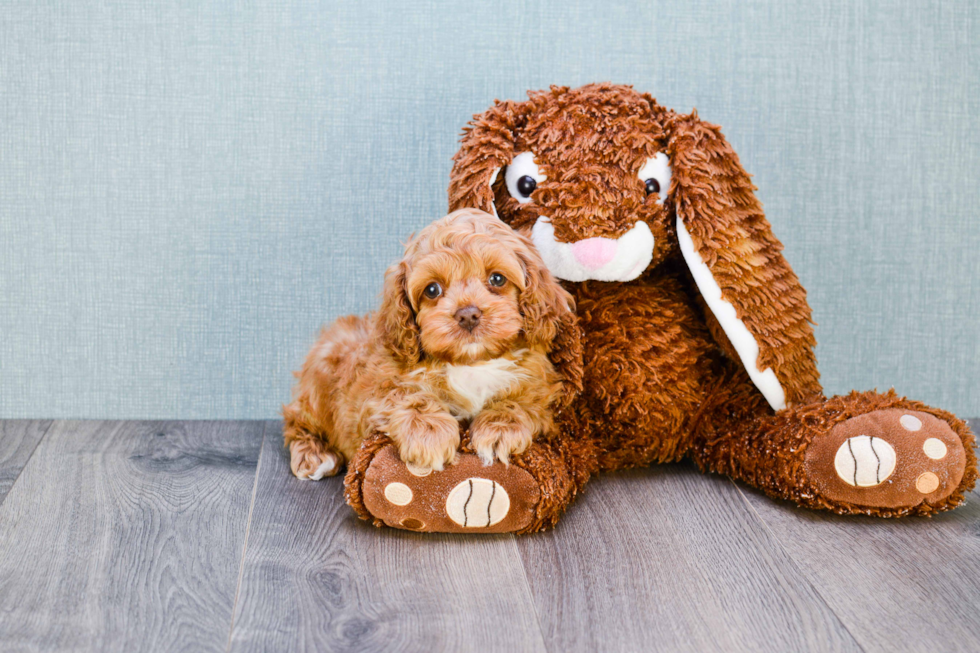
172	536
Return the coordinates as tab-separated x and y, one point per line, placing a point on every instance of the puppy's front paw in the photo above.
499	435
428	441
311	460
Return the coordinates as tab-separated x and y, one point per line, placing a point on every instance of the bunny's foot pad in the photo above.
466	497
891	459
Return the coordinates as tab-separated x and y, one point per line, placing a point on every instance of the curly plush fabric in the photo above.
708	352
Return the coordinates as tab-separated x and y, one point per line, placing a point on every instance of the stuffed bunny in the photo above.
696	333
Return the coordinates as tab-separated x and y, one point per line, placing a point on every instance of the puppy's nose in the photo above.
468	317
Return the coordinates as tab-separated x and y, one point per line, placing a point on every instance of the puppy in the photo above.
468	318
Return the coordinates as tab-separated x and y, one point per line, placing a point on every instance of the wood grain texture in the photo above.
18	439
317	579
902	584
130	536
125	536
666	558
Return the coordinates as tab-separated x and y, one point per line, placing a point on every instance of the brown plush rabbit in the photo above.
696	332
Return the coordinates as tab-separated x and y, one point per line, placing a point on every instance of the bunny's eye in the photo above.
523	177
497	280
655	175
432	291
526	185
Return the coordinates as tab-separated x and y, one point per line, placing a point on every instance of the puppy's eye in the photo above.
432	291
497	280
655	175
523	177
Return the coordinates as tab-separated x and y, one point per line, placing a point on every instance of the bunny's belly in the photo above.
649	363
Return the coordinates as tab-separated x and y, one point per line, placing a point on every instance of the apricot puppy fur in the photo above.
467	320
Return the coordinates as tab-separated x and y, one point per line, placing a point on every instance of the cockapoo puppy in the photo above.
466	323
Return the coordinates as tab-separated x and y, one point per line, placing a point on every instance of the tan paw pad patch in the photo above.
892	458
465	497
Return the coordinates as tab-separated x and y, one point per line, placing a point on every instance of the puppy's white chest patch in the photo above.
476	384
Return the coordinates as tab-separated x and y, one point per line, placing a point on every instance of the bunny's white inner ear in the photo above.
738	334
493	203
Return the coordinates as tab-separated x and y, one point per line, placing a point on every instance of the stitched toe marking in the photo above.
927	483
477	503
934	448
910	422
398	494
415	470
864	461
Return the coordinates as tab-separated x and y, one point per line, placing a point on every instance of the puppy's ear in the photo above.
737	263
396	321
487	145
550	321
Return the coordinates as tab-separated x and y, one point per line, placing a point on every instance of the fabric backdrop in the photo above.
189	189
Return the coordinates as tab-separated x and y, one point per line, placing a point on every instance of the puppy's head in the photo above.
469	288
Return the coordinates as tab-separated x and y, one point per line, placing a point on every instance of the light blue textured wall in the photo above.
188	190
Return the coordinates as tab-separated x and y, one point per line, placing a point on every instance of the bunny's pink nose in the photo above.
593	253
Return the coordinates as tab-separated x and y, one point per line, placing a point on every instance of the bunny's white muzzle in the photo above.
602	259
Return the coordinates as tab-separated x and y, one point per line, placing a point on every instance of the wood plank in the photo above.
666	558
897	584
18	439
316	578
127	536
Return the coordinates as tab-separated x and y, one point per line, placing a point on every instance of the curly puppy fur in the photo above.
468	318
662	378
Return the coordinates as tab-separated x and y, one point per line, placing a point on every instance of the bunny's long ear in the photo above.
737	263
487	145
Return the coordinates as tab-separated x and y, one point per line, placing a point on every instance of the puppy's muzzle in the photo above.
468	317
